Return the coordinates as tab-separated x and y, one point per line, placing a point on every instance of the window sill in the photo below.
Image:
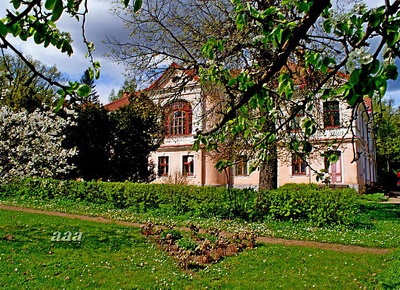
299	175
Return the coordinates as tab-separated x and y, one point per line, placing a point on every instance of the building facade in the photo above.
184	108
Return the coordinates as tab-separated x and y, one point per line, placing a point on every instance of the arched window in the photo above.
178	118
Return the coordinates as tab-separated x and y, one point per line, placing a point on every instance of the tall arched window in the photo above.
178	117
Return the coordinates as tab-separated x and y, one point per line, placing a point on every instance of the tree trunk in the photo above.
268	178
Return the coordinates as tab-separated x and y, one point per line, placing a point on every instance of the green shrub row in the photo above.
318	206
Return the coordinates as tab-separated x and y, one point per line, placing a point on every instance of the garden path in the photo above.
262	239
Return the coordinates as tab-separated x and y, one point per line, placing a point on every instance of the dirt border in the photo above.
263	239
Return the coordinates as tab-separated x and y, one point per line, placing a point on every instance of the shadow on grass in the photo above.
372	213
381	211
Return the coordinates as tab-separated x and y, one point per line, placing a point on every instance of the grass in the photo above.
378	223
111	256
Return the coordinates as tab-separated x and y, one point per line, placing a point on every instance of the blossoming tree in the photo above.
31	145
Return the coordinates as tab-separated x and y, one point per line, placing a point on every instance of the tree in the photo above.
136	131
22	89
115	145
31	145
112	97
257	51
90	137
260	39
129	86
93	96
387	132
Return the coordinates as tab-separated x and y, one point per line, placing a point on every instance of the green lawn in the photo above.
111	256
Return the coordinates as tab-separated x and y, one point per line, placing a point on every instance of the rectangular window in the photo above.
331	115
188	165
163	165
299	166
241	166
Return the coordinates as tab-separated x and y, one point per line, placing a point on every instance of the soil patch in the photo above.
263	239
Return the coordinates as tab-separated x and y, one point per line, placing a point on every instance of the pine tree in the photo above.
93	96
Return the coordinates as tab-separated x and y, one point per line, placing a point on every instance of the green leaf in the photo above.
91	73
352	98
303	6
392	38
382	88
66	47
60	100
57	11
84	90
137	5
232	82
375	66
327	25
355	77
126	2
376	18
38	38
285	85
24	36
3	29
16	3
15	29
221	165
392	72
49	4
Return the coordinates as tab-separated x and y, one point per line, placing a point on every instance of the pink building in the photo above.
184	112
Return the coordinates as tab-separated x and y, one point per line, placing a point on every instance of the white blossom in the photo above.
358	57
31	145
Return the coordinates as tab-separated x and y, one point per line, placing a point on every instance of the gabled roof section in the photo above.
169	73
160	83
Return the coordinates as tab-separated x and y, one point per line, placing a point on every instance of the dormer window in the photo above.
178	118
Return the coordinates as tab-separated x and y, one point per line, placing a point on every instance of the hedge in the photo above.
307	203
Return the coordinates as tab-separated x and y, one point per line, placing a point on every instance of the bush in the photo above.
307	203
317	206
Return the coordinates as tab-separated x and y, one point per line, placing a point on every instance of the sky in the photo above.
101	23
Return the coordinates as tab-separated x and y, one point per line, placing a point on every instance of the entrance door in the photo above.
335	169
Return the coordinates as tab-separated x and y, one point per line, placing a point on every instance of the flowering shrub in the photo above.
31	144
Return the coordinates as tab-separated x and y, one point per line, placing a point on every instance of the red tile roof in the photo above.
115	105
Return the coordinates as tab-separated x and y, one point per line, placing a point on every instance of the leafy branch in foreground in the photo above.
37	20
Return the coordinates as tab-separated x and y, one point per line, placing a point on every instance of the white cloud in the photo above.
100	23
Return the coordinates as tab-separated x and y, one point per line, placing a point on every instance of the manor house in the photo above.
351	139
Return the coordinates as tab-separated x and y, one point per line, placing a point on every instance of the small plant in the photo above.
187	244
176	178
170	234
